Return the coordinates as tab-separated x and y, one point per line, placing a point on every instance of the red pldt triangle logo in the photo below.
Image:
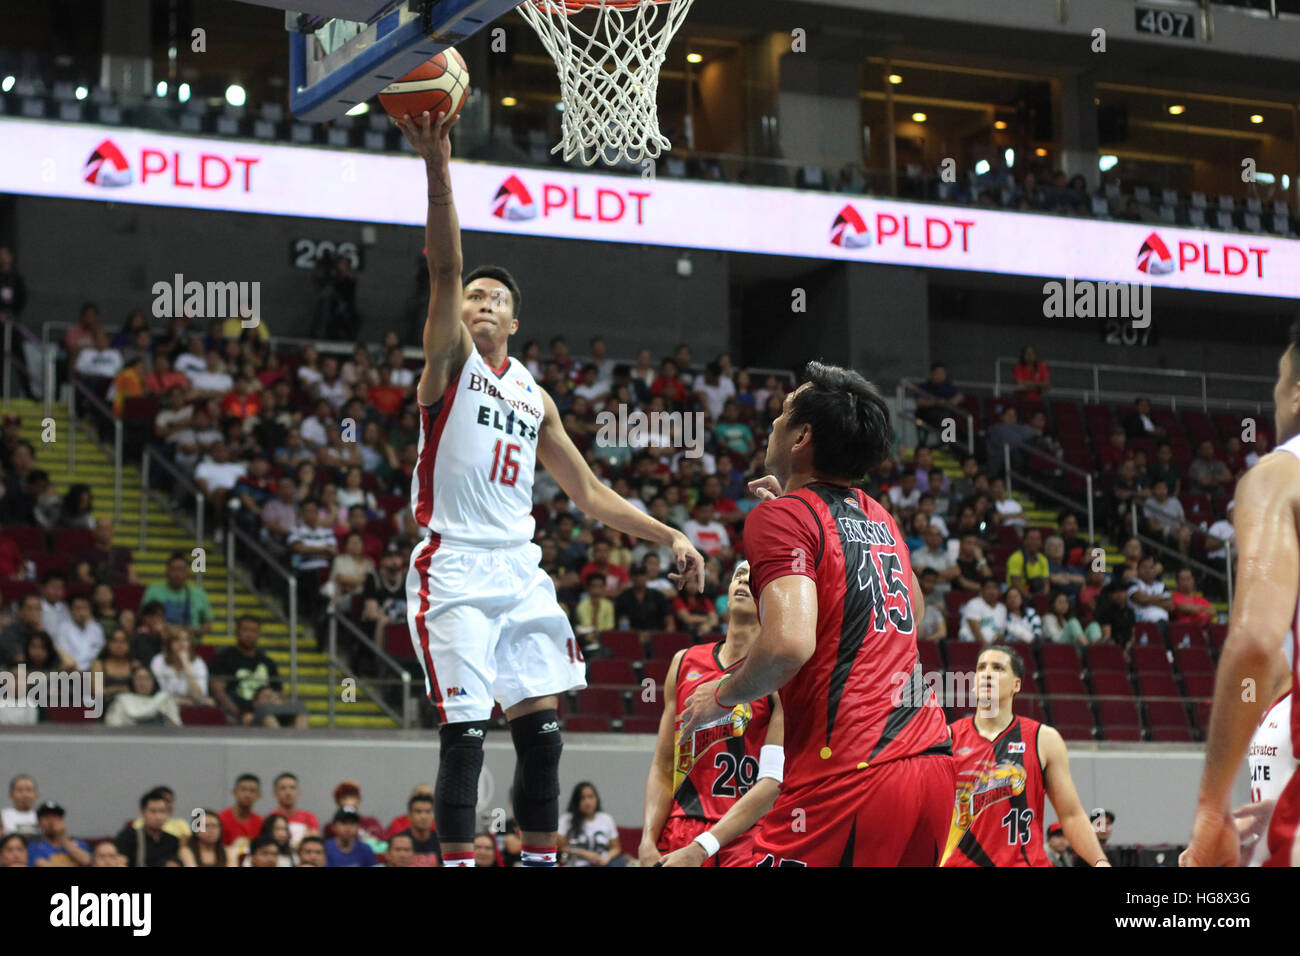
513	201
1154	258
849	231
107	166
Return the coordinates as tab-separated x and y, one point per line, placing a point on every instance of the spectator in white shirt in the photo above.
54	611
905	495
935	555
714	389
175	416
179	671
99	361
1164	516
592	387
331	387
217	476
1023	622
1147	596
604	364
194	359
80	636
309	375
352	493
214	381
707	533
1009	510
315	429
403	377
193	440
1219	534
20	817
587	835
984	618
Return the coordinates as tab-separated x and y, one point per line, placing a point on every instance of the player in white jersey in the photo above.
1272	763
1266	607
483	616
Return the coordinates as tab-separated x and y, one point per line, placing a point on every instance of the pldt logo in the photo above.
107	166
513	201
849	231
1154	258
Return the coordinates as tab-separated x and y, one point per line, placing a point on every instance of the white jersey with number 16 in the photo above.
473	480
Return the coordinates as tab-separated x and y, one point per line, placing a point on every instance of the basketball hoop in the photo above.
609	74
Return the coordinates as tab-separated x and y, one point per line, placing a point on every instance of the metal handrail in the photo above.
1088	395
47	356
233	533
1064	466
907	384
181	478
1097	368
10	356
78	386
337	617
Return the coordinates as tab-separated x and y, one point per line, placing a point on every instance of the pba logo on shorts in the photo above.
1154	258
107	166
849	231
456	692
513	201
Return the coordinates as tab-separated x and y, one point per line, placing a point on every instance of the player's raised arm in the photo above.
659	785
446	341
558	454
1268	568
1075	822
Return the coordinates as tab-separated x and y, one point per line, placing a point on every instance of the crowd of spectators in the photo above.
284	833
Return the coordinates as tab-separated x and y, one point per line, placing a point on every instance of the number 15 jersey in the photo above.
473	479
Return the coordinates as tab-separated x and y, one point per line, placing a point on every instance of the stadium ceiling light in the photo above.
509	101
895	78
161	89
235	95
1040	152
919	117
560	106
694	58
1107	162
360	109
1000	124
1256	119
1286	181
1010	157
1268	179
82	93
7	83
183	92
982	167
1177	109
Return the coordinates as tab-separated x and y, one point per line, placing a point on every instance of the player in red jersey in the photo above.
869	778
1266	519
706	792
1005	763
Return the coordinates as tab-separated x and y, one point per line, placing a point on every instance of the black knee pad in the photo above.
537	770
456	795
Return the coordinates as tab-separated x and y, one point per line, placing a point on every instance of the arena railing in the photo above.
11	362
48	355
337	618
1142	375
1154	544
111	421
906	387
1013	477
235	537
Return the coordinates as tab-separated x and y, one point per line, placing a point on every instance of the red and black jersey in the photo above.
860	699
719	764
998	816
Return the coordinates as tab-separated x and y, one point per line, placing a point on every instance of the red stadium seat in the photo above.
1199	686
629	838
1151	660
640	724
391	504
957	713
586	724
928	652
962	655
647	708
954	601
1031	707
1218	635
202	715
668	643
1201	716
1059	657
656	670
14	591
1179	734
1166	713
610	672
1147	634
127	596
601	700
205	651
1027	684
143	408
1026	653
397	641
1186	634
48	562
73	541
1073	718
624	645
1119	720
1111	685
1106	659
1157	684
1063	682
67	715
1193	660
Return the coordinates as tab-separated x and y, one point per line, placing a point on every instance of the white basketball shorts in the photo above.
486	626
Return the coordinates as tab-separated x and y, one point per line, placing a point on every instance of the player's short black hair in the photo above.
502	275
852	433
1017	662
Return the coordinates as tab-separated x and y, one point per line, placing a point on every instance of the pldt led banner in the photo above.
76	161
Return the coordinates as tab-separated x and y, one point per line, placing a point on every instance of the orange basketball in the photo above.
439	86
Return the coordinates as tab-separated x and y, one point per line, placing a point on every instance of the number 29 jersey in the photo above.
473	478
719	763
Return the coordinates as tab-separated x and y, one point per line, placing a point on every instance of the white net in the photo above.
608	54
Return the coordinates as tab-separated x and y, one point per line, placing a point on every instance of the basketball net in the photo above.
609	73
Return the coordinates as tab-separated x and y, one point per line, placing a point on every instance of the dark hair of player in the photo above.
502	275
1017	663
849	419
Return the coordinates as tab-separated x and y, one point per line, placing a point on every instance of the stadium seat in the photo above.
1148	660
199	715
610	672
1073	718
629	838
1193	660
48	562
1218	634
1106	659
205	651
586	724
1147	634
1027	683
397	641
624	645
668	643
127	596
656	670
1201	716
640	724
1030	706
601	700
1173	734
1157	684
1186	633
962	655
73	541
1059	657
928	653
14	591
1166	713
391	504
29	538
647	708
1063	682
1199	686
1107	684
957	713
67	715
1119	720
954	601
1026	653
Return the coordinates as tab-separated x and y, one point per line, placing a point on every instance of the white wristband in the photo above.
771	762
709	842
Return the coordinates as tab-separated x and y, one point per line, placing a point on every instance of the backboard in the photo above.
343	52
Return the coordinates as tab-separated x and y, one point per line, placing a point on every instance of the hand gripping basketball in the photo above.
430	135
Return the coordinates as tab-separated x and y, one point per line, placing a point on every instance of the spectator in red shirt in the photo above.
83	333
11	559
239	824
241	402
301	822
164	376
667	385
616	578
1114	451
695	614
707	533
726	510
1189	603
404	821
371	545
386	396
1032	377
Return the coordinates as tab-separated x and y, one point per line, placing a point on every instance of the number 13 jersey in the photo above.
473	478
